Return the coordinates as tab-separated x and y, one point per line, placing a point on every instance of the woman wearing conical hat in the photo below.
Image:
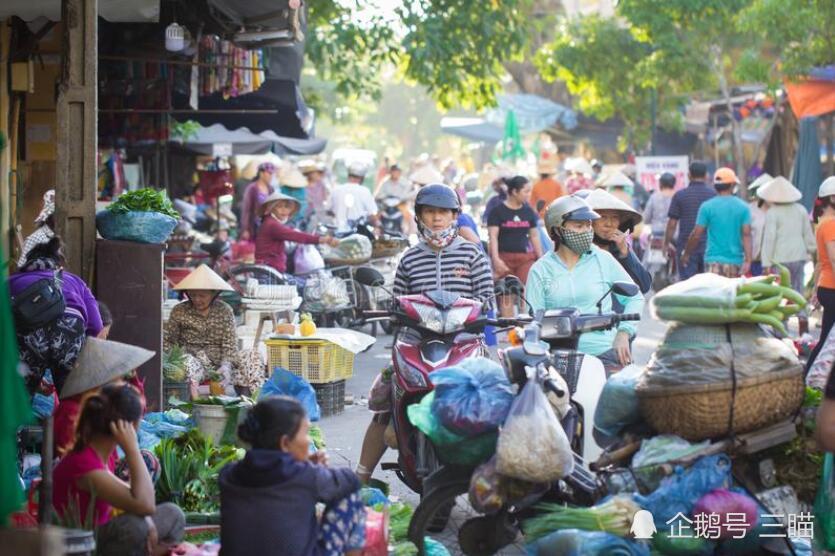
788	238
204	327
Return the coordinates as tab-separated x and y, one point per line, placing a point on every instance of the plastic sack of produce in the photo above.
324	291
532	444
656	451
489	490
307	259
671	366
618	404
680	491
712	299
285	383
456	448
725	503
473	397
575	542
663	543
825	508
355	247
376	533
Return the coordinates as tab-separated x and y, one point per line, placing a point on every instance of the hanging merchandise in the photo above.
231	72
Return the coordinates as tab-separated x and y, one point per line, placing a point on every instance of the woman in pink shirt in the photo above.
110	419
277	209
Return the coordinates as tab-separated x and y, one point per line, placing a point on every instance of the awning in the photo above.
289	145
122	11
533	113
474	129
216	139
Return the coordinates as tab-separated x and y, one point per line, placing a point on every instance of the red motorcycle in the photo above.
435	330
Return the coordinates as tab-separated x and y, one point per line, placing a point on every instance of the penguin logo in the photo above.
643	525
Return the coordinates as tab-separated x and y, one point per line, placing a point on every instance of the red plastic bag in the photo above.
376	533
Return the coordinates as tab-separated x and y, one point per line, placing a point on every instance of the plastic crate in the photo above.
316	361
330	397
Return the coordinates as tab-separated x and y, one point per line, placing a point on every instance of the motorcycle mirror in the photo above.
501	287
540	204
368	276
627	289
513	285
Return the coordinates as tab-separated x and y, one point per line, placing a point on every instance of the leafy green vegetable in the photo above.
174	364
144	200
317	437
812	398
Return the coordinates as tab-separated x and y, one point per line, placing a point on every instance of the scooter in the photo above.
435	330
391	217
659	264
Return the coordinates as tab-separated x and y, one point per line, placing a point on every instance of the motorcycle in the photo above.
437	329
660	265
548	354
391	217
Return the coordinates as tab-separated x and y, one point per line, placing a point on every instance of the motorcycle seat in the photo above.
215	248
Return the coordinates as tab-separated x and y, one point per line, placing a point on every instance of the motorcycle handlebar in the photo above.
551	386
629	316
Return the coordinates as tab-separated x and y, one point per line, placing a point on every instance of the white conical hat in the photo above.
615	179
600	199
290	176
579	165
779	190
827	187
426	175
761	180
278	196
203	278
99	362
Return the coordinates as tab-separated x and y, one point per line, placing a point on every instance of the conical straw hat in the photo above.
99	362
203	278
600	199
761	180
579	165
779	190
290	176
426	175
275	197
615	179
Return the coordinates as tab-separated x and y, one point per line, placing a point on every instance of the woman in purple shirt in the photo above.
254	195
56	345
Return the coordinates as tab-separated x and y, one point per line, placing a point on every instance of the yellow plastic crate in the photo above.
316	361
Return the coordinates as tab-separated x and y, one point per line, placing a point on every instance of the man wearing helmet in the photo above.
578	274
442	260
352	201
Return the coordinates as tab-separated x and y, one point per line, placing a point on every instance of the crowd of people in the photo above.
568	240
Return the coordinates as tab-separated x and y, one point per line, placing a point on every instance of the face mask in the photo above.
579	242
439	239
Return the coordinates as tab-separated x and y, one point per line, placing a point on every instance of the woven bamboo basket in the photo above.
701	412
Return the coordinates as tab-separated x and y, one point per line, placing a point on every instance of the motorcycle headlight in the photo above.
455	318
409	373
430	317
555	327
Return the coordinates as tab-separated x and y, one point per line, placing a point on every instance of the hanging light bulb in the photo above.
175	37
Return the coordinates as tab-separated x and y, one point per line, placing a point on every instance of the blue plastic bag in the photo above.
574	542
285	383
473	397
618	404
679	492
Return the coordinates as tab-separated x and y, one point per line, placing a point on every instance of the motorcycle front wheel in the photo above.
446	515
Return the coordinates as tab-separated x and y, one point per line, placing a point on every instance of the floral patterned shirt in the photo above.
213	334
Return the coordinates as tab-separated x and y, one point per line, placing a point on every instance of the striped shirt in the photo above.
461	267
685	207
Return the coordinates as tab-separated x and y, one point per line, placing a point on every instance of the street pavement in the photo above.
344	432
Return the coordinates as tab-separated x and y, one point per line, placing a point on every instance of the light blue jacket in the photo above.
552	286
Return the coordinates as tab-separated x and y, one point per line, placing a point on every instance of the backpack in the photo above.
40	304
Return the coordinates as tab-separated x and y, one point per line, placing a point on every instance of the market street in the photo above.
344	433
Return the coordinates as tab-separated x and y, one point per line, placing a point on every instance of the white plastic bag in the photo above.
532	444
307	259
702	290
819	371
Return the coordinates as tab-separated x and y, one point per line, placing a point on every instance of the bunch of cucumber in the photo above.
761	300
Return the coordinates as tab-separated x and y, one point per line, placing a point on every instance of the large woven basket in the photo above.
704	411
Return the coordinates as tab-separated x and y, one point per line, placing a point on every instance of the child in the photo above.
268	499
110	419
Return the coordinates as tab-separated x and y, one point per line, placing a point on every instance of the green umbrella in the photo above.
15	409
511	142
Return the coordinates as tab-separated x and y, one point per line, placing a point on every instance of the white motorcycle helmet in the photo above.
569	207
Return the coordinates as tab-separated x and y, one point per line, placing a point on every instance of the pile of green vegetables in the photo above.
760	301
189	468
174	364
144	200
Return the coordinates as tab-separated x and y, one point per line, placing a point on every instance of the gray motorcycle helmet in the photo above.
569	207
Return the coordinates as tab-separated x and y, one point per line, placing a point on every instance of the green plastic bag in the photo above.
825	508
457	449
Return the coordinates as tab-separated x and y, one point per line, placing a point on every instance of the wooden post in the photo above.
75	191
830	148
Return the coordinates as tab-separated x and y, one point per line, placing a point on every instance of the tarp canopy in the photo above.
474	129
811	98
240	141
215	138
122	11
533	113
